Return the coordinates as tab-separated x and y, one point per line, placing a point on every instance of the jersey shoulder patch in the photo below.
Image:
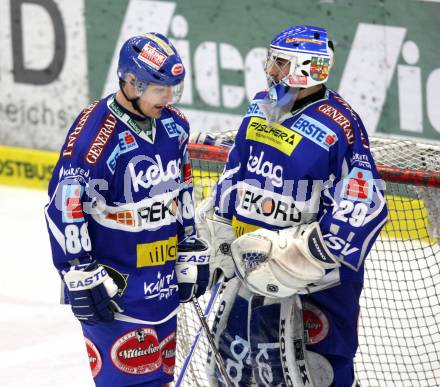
175	127
336	117
91	134
254	109
176	112
84	118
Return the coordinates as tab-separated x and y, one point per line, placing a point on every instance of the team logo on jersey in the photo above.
316	324
266	169
168	346
275	135
126	143
71	209
358	185
315	131
155	173
137	352
161	289
156	253
95	360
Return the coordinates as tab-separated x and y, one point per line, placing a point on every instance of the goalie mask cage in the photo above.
399	325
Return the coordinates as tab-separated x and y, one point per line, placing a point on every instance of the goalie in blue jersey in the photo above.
121	219
294	215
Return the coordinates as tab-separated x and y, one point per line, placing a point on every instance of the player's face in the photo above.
155	98
278	69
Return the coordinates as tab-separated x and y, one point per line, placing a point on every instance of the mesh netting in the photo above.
399	328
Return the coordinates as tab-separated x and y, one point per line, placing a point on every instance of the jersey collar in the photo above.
144	128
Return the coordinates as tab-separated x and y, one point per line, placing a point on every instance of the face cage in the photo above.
299	74
273	61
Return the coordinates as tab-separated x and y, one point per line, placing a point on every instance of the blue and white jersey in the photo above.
314	164
121	194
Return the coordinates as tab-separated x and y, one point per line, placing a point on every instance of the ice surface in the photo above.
41	344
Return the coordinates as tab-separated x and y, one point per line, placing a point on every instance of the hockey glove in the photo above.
93	294
192	267
218	231
282	263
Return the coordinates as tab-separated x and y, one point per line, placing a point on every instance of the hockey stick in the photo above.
216	290
210	337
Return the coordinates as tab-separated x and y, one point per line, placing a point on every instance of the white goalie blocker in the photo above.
281	263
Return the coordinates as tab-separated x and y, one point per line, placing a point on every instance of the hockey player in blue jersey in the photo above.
301	202
120	216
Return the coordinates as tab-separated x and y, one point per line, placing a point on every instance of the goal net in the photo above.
399	327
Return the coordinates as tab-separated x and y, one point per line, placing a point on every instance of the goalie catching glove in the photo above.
192	267
93	294
282	263
220	234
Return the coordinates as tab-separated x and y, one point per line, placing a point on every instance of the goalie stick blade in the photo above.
216	290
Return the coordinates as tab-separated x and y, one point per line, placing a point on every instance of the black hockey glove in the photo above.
93	294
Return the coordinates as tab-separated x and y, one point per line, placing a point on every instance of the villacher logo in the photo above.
137	352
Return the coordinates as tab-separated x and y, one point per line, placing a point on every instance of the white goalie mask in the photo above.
299	57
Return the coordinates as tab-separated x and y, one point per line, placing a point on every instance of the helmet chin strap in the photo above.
133	101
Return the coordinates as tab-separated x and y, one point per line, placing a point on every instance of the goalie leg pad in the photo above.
230	330
279	355
265	345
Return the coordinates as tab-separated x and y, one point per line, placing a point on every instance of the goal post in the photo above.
399	325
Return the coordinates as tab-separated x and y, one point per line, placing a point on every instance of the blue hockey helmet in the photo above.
151	58
308	51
